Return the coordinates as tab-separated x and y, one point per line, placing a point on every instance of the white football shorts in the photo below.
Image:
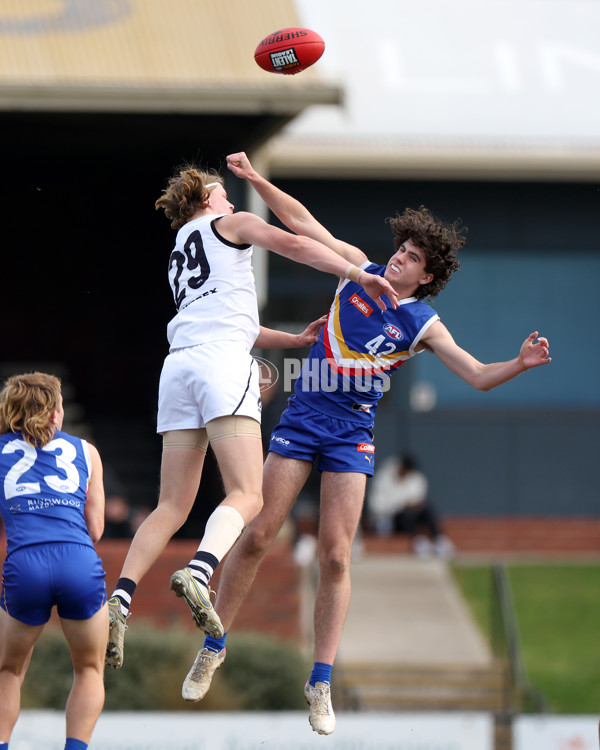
203	382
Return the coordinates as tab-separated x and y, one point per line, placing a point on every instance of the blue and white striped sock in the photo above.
124	590
203	566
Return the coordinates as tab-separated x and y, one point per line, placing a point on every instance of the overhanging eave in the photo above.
234	99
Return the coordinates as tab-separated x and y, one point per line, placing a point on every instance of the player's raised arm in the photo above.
243	227
534	352
293	214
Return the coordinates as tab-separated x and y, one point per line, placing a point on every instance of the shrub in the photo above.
265	674
258	674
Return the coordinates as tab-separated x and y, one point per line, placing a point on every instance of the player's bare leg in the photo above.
240	461
16	646
283	478
87	642
282	481
342	496
181	469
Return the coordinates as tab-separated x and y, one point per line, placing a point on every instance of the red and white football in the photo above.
289	51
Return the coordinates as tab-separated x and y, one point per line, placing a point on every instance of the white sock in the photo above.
223	527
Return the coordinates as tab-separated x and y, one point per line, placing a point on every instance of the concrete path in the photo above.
407	610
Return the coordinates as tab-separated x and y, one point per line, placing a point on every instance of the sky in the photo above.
473	69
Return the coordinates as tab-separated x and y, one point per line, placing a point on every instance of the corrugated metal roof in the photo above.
184	55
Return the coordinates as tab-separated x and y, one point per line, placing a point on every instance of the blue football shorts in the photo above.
338	445
40	576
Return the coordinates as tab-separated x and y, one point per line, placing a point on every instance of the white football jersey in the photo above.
213	287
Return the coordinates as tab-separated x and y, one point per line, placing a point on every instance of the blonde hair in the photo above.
187	192
26	405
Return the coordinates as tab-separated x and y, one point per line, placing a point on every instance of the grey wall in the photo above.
504	461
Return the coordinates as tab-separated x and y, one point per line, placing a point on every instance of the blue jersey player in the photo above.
52	505
329	418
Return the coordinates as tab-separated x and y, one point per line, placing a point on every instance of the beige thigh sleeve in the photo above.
196	439
224	427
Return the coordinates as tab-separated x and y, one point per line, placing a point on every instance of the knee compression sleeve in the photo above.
196	439
224	427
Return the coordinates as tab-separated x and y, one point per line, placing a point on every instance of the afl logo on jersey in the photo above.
393	332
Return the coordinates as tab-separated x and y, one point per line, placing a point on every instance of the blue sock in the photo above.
73	744
214	644
3	745
320	673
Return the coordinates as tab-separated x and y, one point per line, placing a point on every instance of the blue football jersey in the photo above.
43	490
359	348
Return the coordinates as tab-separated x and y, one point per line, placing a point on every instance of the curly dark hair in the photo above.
185	193
440	242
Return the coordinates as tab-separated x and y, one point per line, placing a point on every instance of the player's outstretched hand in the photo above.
240	165
376	286
535	354
311	333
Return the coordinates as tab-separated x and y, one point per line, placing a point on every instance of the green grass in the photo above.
558	613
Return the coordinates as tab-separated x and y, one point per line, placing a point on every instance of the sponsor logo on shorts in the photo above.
365	448
280	440
361	305
393	332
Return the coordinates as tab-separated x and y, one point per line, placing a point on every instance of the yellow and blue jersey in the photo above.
359	348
